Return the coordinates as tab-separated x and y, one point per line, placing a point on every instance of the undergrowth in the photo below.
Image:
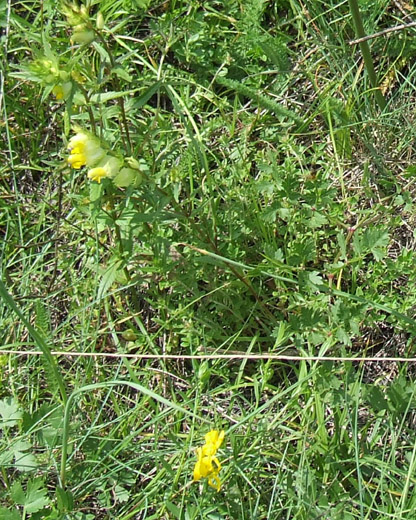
186	181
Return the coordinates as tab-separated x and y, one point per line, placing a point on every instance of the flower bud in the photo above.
127	177
133	163
83	36
100	21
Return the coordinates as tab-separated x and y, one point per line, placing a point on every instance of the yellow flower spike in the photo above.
96	174
214	481
208	464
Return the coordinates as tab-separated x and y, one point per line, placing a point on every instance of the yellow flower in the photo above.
62	90
85	150
58	92
108	167
208	464
215	438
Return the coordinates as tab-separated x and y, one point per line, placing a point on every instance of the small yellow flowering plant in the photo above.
47	70
85	150
208	464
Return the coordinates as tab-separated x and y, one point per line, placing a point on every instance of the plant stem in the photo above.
365	51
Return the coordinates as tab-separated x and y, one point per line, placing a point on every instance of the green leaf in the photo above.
9	411
374	241
149	93
7	514
34	499
109	276
6	457
121	494
174	509
109	96
317	220
17	493
342	244
410	171
65	499
376	398
122	73
25	461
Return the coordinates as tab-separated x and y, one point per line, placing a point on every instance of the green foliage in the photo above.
258	98
251	201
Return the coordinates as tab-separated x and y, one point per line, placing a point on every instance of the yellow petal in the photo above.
214	481
215	438
197	472
77	160
96	174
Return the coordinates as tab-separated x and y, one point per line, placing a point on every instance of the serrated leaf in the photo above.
17	494
317	220
34	499
376	240
109	277
121	493
65	499
376	398
6	457
9	411
315	278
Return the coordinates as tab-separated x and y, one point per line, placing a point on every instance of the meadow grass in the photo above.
263	239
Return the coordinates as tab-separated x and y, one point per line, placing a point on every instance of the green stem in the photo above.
88	108
128	144
365	51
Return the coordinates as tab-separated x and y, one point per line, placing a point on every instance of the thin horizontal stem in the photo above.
282	357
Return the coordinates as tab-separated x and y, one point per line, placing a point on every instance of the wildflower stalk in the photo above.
128	144
365	51
89	110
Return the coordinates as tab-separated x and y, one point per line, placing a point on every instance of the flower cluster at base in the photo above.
208	465
85	150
